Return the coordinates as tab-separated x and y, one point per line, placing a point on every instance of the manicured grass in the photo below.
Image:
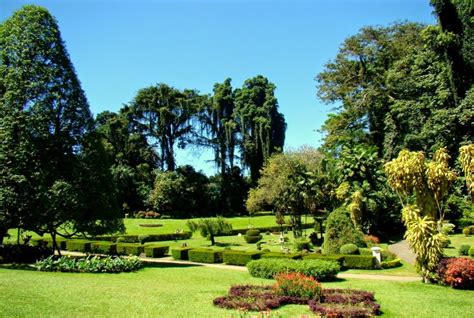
405	270
188	292
456	241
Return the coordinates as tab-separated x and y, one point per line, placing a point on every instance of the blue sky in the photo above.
120	46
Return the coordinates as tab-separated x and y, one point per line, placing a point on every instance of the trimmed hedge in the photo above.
104	248
79	245
391	264
335	258
165	237
360	262
180	253
202	255
129	249
282	255
319	269
349	248
156	250
239	257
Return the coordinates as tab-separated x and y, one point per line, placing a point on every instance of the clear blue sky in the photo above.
120	46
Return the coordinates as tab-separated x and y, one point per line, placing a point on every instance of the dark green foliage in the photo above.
281	255
180	253
156	250
104	248
239	257
335	258
464	250
23	253
129	249
339	231
90	264
252	236
205	256
302	244
360	262
349	249
320	269
365	251
79	246
49	243
471	251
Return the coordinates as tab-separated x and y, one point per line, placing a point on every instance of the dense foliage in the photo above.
90	264
340	231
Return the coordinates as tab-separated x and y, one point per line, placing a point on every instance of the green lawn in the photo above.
188	292
456	241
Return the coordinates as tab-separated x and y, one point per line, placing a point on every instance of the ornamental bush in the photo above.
156	250
104	248
339	231
185	235
202	255
457	272
297	285
349	249
391	264
360	262
129	249
464	250
319	269
90	264
471	251
180	253
252	236
302	244
239	257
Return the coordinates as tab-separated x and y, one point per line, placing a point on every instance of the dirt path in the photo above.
171	261
402	249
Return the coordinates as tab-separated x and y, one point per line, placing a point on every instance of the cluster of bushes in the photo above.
23	253
270	229
319	269
147	215
456	272
295	288
90	264
466	250
468	230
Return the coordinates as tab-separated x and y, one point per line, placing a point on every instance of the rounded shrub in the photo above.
252	236
464	250
466	231
349	249
339	231
471	251
269	267
302	244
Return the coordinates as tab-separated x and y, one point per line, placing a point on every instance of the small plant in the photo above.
297	285
464	250
349	249
302	244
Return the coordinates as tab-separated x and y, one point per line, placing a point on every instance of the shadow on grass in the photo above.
168	265
227	244
28	267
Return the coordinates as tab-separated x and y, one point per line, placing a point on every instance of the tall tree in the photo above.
39	87
262	127
164	114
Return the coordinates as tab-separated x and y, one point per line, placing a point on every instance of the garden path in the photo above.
403	251
170	260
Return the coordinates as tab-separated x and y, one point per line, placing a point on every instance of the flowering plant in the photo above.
297	285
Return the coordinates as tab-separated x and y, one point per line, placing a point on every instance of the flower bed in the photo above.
295	288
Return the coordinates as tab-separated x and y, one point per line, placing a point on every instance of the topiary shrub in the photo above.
180	253
464	250
391	264
269	267
239	257
360	262
281	255
350	249
335	258
466	231
203	255
104	248
129	249
339	231
79	246
156	250
302	244
185	235
471	251
252	236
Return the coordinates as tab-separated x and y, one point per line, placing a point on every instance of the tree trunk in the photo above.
211	237
55	244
